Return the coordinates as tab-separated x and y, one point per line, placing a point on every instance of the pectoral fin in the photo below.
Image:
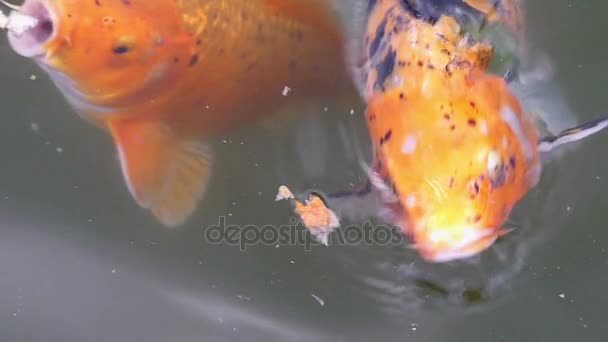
164	172
549	143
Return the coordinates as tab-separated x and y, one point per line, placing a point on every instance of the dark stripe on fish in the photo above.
385	68
431	10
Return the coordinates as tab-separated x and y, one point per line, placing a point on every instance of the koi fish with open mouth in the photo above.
164	76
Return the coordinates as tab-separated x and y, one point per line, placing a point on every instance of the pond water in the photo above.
80	261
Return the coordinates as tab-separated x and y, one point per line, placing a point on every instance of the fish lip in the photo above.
459	251
31	43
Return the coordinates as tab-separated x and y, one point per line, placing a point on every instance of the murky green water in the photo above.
79	261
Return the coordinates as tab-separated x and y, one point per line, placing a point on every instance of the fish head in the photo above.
104	52
459	157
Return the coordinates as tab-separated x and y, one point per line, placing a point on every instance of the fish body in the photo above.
454	148
163	76
449	136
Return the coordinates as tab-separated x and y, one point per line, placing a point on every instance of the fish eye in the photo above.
123	45
120	49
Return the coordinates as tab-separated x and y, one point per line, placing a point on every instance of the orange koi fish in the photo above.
455	150
164	76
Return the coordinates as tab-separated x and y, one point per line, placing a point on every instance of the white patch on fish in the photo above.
514	123
483	127
409	144
410	201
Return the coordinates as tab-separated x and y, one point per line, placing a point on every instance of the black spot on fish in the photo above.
386	137
431	10
512	162
175	59
193	59
385	68
97	3
375	43
199	41
126	2
473	188
120	49
400	20
472	104
402	96
471	122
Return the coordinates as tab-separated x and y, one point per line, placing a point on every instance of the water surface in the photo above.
79	261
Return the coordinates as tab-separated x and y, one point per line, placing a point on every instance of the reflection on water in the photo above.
80	261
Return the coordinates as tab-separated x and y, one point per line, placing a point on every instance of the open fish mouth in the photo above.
31	42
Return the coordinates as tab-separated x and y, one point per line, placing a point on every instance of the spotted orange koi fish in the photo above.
455	150
164	76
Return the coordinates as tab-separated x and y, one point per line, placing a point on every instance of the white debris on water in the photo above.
318	299
17	22
286	90
242	297
59	150
562	295
35	127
